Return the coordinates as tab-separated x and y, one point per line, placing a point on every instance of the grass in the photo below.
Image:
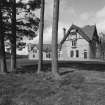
81	84
75	88
25	64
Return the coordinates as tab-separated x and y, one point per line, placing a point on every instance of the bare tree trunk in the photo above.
13	38
3	67
40	63
55	39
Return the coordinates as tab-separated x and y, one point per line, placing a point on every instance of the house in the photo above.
77	44
33	50
80	43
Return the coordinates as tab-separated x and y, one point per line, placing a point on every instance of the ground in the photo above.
77	87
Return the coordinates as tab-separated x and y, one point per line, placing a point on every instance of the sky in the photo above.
78	12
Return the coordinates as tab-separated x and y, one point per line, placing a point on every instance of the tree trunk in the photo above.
55	39
40	63
3	67
13	38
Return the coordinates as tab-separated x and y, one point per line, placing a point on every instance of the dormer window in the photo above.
74	43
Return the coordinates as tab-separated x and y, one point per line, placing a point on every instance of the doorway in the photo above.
85	55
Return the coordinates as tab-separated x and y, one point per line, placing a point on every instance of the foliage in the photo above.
27	23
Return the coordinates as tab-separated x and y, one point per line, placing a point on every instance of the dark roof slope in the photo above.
89	31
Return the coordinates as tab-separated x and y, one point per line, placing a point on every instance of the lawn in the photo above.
26	65
79	87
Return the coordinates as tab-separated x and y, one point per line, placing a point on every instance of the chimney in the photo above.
64	31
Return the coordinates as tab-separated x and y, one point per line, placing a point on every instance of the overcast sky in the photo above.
78	12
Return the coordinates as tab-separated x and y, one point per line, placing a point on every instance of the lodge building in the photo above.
77	44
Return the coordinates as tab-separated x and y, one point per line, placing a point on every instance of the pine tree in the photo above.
15	29
3	67
13	37
40	64
55	39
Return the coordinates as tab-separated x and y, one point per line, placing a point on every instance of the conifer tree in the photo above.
55	39
40	64
3	67
16	28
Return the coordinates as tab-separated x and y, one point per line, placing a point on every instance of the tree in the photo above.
13	38
2	49
55	39
40	64
17	28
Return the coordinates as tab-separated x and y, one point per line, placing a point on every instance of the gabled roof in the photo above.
86	32
89	30
46	47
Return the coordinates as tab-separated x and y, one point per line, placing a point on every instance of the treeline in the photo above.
17	19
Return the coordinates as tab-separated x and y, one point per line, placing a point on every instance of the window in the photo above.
72	53
33	55
77	53
85	54
74	43
48	55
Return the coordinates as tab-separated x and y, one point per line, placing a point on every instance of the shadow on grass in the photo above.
32	68
26	66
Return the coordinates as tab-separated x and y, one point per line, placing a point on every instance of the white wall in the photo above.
33	55
82	45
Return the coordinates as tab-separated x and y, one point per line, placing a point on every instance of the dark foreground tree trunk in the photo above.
55	39
40	63
13	38
3	67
